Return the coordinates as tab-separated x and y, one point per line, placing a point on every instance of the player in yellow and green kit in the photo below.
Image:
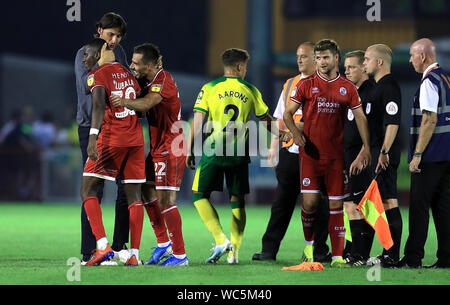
228	103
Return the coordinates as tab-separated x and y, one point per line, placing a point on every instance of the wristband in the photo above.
93	131
417	154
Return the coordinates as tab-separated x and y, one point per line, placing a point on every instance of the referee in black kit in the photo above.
384	122
361	232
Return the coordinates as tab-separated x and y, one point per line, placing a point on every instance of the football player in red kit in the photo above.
116	145
325	97
163	107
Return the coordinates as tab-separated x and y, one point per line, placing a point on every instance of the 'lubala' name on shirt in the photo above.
123	85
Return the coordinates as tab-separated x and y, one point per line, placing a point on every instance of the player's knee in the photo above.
89	187
162	203
350	209
309	205
132	192
166	198
148	192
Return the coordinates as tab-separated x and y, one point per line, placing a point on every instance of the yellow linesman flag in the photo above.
371	206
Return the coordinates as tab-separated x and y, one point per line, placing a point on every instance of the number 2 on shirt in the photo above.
234	117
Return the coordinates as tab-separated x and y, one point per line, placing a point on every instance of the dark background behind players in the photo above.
29	56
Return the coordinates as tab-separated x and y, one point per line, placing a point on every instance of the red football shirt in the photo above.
325	103
165	118
121	127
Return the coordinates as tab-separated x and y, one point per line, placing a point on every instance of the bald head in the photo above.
425	46
423	54
378	60
382	51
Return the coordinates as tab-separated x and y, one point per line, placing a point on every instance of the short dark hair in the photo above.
358	54
327	44
233	56
149	51
113	20
96	44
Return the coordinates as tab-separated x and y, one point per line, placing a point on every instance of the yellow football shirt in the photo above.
228	103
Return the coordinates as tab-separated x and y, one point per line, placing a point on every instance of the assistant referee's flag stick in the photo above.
371	206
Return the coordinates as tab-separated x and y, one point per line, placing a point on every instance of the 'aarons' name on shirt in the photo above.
234	94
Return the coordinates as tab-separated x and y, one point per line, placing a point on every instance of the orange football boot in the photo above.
100	255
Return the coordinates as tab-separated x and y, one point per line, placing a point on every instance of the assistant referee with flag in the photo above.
384	126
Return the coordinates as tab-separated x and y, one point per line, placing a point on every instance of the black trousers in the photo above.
287	193
429	189
121	224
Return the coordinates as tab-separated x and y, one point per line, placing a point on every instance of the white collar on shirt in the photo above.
429	68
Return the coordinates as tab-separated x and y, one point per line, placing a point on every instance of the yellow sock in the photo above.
237	226
210	218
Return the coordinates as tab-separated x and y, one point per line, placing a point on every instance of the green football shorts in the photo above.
209	177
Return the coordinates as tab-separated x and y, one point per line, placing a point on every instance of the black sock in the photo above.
347	249
367	233
357	242
395	226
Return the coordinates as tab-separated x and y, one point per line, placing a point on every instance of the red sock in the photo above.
136	222
173	223
307	222
336	230
157	221
94	214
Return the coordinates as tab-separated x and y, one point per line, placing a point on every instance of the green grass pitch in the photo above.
37	240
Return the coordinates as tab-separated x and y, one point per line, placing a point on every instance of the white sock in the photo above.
180	256
102	243
162	245
135	252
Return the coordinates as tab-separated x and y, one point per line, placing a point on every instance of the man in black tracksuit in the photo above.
358	250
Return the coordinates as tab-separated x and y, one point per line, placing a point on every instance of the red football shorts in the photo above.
169	172
128	161
329	175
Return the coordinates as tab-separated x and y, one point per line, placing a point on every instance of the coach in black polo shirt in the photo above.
361	232
384	123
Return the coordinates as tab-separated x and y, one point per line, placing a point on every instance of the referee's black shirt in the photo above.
352	139
386	106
